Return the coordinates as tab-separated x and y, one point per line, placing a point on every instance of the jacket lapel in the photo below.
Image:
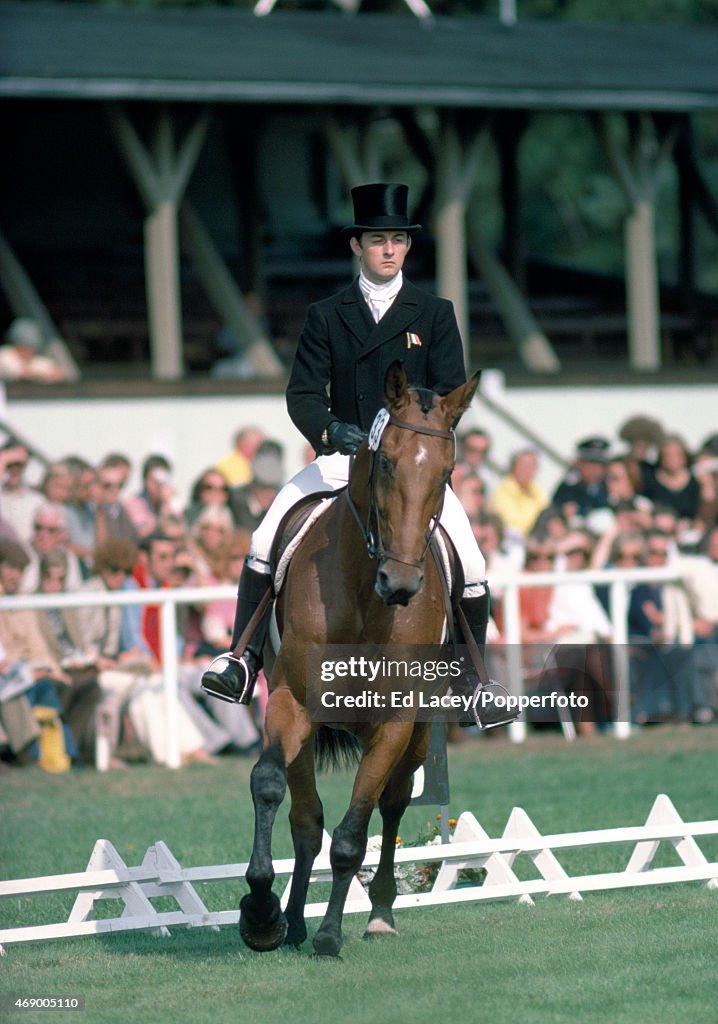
354	312
402	313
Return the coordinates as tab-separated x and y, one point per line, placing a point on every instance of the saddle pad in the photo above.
286	554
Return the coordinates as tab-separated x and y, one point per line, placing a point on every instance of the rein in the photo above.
374	545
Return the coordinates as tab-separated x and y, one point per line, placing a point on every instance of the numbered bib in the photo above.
377	428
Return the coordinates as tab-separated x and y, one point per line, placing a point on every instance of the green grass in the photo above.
632	956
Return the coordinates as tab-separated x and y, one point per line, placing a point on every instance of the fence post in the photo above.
170	675
514	661
621	667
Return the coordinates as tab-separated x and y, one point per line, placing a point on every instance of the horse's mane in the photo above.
425	398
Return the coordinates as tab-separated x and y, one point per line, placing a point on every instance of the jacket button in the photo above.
360	396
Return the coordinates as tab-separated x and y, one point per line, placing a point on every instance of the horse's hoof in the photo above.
265	936
263	940
379	929
295	938
326	947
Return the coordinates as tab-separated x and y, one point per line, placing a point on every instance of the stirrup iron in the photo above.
493	716
237	691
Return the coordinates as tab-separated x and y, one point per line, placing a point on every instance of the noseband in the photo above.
374	544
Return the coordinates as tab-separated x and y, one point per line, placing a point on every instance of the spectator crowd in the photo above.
84	685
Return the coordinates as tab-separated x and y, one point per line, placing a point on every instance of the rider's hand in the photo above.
345	437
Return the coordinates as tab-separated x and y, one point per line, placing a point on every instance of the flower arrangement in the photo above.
419	877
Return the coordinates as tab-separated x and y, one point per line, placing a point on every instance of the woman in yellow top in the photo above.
518	498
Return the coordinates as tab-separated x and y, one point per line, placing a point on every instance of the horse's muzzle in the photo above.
397	583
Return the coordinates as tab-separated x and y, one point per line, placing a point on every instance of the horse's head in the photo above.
411	466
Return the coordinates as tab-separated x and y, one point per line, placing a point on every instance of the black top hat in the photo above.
381	207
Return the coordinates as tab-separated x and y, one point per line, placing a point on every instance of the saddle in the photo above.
302	516
292	528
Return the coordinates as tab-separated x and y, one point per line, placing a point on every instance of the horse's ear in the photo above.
458	401
396	387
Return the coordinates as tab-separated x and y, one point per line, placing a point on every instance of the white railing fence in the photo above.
108	877
619	582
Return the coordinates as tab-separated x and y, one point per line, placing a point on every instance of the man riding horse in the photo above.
335	391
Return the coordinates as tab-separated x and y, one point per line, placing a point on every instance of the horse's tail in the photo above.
335	748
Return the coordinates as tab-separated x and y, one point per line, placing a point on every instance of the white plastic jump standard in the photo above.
160	874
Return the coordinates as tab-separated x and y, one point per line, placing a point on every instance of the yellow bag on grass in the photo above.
53	753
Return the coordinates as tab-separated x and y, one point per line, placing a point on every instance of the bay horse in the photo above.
351	583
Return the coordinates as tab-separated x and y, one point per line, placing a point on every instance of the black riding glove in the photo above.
345	437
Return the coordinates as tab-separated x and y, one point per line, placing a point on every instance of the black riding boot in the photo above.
489	706
234	681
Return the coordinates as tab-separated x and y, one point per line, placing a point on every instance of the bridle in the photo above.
372	535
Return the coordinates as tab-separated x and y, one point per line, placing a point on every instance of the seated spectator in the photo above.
236	467
623	479
518	498
643	435
218	616
23	641
534	605
250	502
473	449
216	633
705	470
111	519
18	501
665	520
471	492
551	525
575	610
49	533
210	489
19	729
128	672
661	638
627	550
626	508
58	483
584	487
210	535
175	527
501	559
627	518
156	498
80	699
22	356
580	660
7	532
157	569
672	482
699	576
122	464
80	516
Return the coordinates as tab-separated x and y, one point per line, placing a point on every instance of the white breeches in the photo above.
329	473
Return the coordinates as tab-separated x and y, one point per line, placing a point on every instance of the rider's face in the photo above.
381	253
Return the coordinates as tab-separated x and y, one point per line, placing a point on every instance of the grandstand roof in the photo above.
220	54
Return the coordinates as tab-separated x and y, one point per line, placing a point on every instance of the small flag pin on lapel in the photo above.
412	339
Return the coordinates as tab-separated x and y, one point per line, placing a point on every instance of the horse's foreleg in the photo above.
346	855
262	924
350	836
392	804
306	818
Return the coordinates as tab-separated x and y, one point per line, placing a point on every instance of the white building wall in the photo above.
194	432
